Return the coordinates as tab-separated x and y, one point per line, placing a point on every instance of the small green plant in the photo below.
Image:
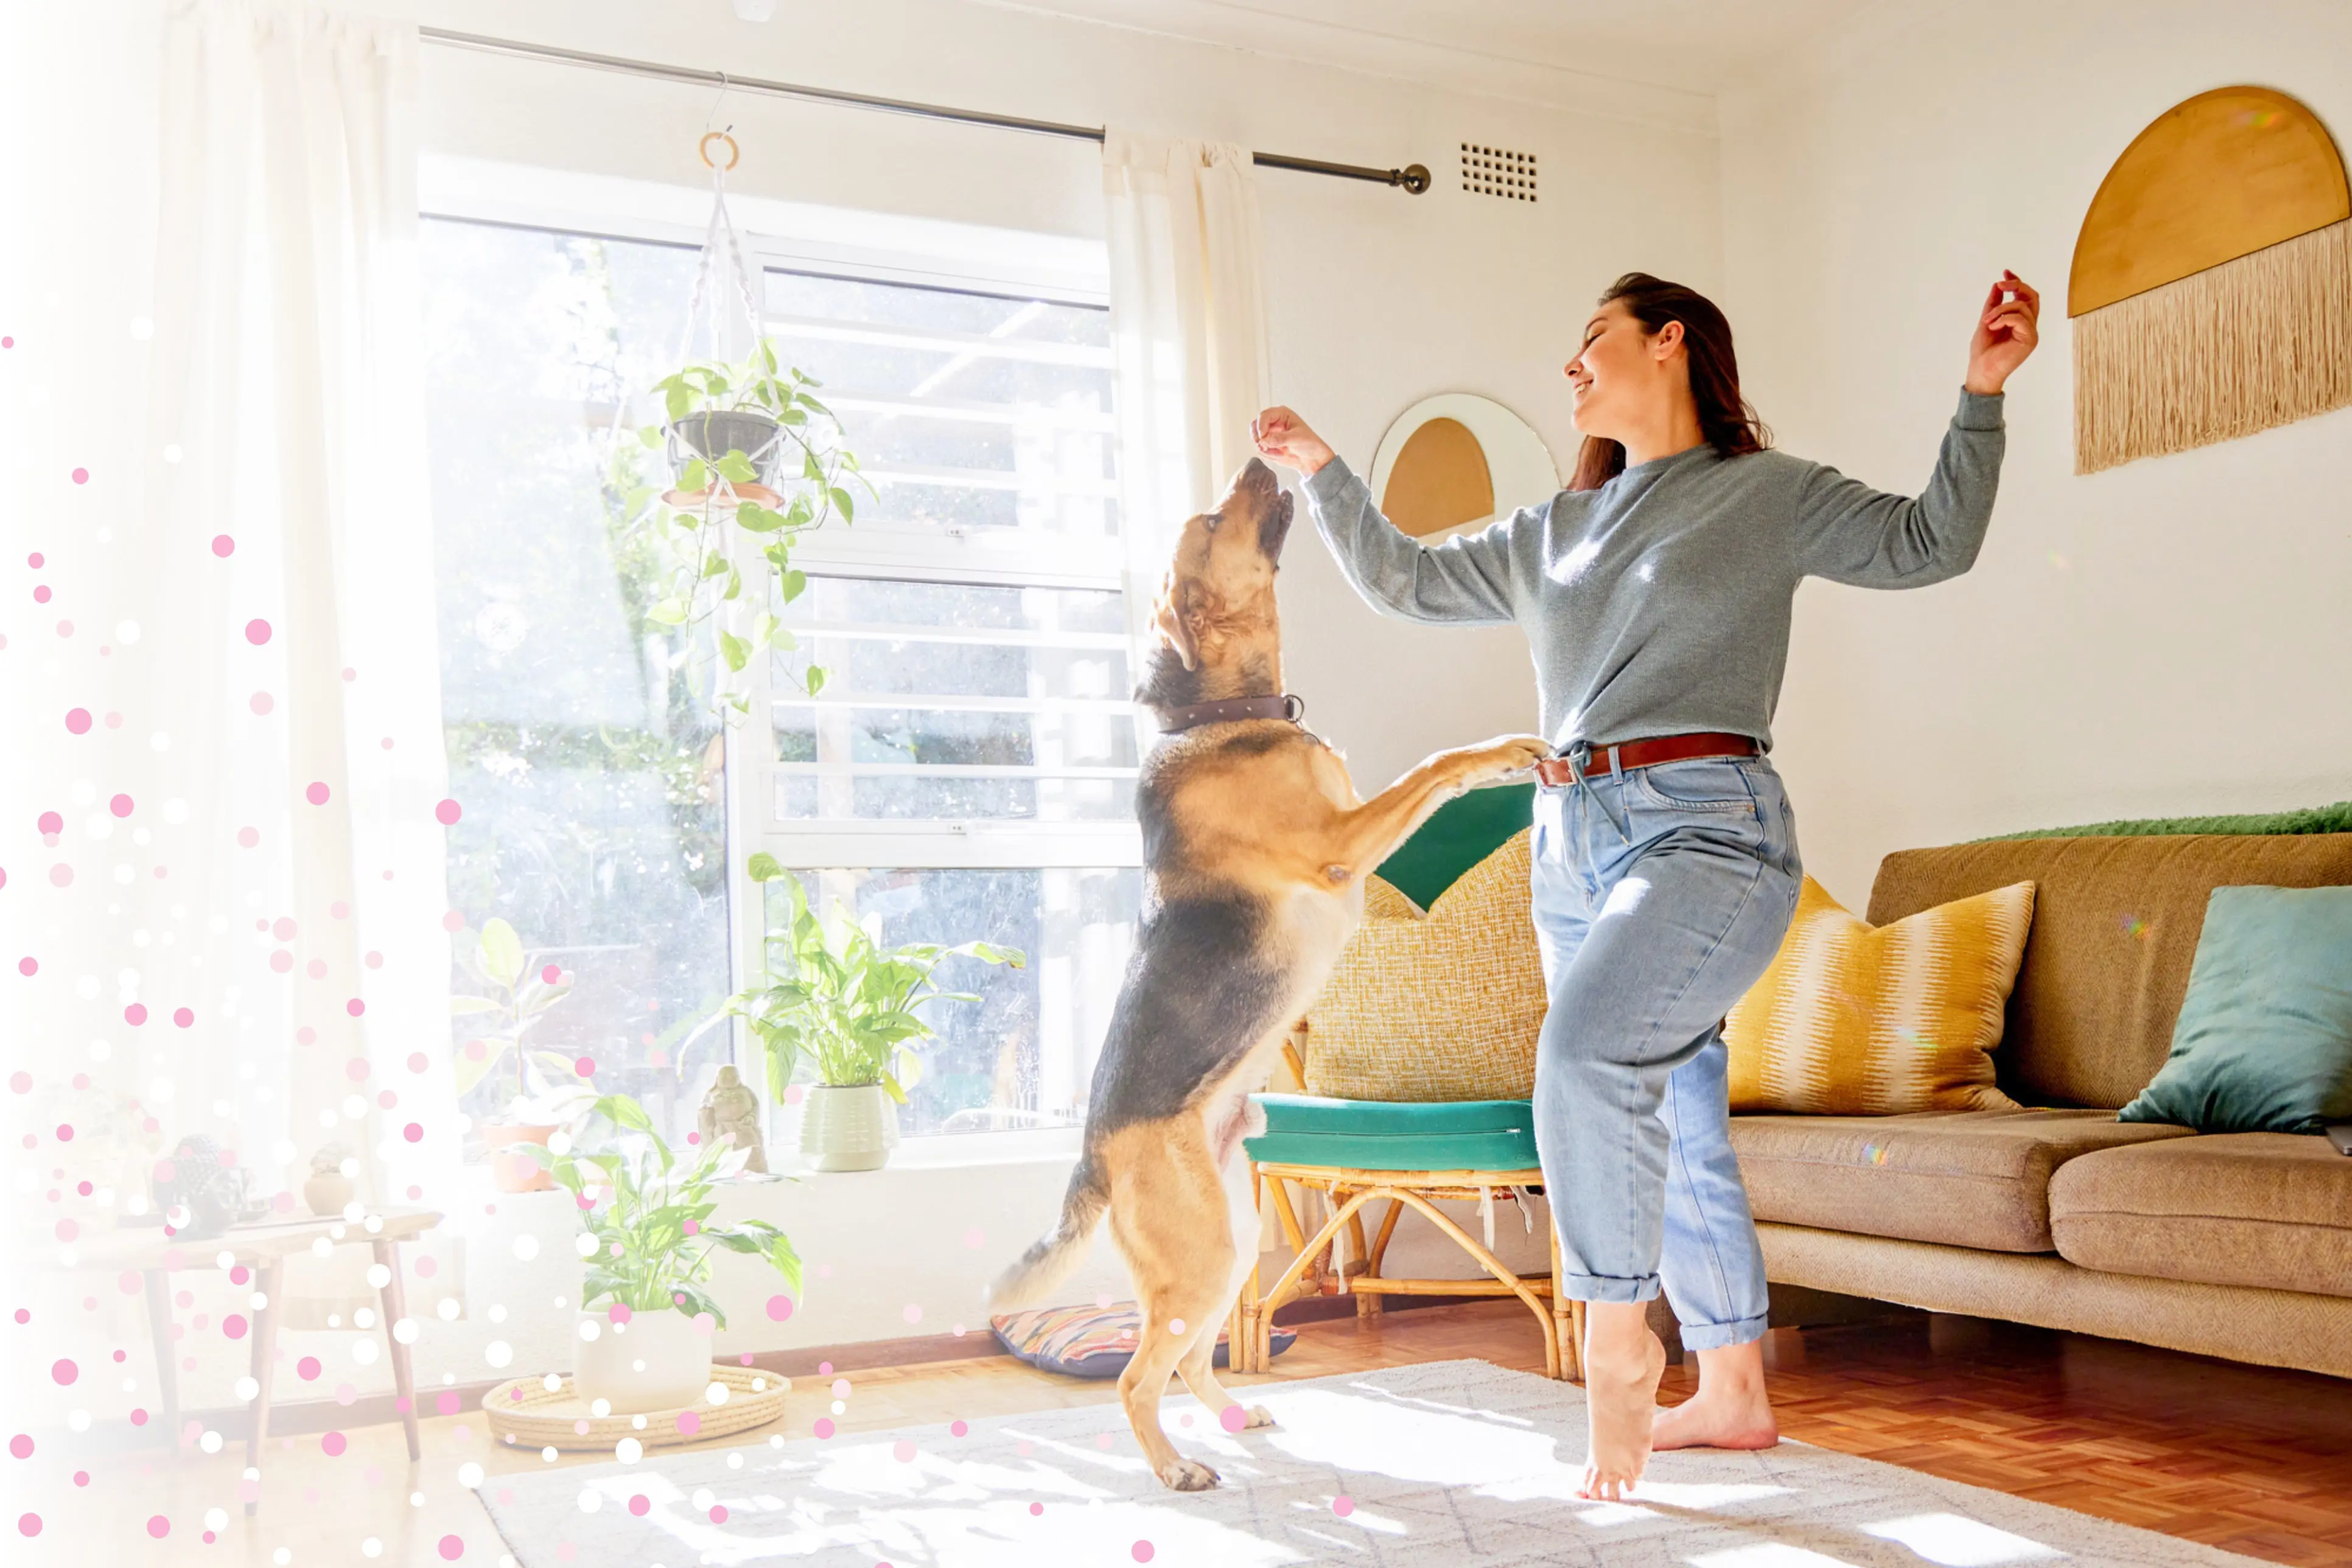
520	995
834	993
644	1218
711	539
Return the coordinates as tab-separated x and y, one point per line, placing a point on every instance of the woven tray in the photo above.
525	1412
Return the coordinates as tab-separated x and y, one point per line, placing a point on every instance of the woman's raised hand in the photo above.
2007	329
1284	437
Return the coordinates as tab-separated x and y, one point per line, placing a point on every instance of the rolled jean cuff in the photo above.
1607	1287
1721	1336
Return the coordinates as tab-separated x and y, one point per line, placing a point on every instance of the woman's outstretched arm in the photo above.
1466	581
1848	533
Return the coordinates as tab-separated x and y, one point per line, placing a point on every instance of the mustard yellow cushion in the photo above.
1856	1020
1442	1006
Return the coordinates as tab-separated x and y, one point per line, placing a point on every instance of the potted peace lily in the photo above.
835	995
648	1236
548	1093
755	459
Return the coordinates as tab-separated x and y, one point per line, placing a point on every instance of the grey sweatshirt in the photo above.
1659	603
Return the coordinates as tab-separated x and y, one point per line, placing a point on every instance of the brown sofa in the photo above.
2227	1245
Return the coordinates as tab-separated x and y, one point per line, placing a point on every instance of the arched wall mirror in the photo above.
1459	460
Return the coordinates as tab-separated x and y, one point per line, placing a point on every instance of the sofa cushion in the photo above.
1969	1178
2115	923
1391	1135
2270	1209
1442	1006
1856	1020
2264	1040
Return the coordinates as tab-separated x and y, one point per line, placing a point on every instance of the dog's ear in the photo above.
1171	620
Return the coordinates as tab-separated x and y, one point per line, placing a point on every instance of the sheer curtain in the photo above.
282	703
1188	325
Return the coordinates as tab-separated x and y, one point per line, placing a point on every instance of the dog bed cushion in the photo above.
1091	1342
1856	1020
1396	1135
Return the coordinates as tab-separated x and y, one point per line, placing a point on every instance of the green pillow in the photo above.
2264	1040
1458	835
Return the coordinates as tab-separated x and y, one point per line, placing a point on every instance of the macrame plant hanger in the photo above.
726	307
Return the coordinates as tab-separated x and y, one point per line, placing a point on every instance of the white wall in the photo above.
1376	299
2164	638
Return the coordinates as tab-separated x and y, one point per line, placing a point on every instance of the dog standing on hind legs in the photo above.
1256	847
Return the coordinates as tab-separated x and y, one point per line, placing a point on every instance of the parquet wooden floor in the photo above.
2247	1458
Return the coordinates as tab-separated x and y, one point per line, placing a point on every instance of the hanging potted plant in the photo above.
548	1094
835	995
755	459
648	1236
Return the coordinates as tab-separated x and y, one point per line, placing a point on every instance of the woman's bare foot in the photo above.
1622	1363
1730	1410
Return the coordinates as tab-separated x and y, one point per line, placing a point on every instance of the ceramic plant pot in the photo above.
711	436
655	1361
328	1192
851	1129
510	1168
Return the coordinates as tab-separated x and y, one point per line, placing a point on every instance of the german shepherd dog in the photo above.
1254	847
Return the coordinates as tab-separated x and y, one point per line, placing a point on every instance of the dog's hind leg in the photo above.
1234	1119
1167	1218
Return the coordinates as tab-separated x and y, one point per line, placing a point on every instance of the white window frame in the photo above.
582	206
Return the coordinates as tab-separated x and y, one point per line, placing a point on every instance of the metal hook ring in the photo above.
734	154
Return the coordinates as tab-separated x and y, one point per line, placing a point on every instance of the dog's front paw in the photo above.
1259	1416
1509	755
1187	1475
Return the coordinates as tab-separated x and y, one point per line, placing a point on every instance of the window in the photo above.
968	770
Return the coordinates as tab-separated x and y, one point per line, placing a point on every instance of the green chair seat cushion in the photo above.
1396	1135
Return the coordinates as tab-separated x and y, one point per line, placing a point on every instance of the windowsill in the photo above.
955	1150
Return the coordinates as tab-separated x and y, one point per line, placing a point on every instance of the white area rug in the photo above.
1447	1463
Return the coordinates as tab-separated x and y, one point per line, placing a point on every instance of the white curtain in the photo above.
1188	322
282	702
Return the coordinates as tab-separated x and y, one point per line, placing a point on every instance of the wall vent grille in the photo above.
1495	172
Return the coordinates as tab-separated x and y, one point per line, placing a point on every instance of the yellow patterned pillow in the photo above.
1438	1006
1853	1020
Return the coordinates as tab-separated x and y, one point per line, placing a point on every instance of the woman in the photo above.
1656	591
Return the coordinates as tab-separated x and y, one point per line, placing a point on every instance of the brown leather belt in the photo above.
1559	771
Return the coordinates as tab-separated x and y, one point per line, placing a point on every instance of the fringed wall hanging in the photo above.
2211	293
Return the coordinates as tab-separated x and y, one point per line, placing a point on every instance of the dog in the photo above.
1256	847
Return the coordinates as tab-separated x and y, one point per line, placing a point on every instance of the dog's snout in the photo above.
1256	473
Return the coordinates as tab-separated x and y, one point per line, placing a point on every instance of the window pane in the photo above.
1023	1054
956	701
966	410
589	775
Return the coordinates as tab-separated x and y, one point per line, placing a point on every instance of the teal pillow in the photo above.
2264	1040
1458	835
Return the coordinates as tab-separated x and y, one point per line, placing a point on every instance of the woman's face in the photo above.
1620	370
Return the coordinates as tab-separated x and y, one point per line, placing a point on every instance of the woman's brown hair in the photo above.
1725	419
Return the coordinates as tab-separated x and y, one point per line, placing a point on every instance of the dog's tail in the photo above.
1051	1256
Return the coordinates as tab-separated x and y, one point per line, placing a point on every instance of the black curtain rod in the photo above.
1414	178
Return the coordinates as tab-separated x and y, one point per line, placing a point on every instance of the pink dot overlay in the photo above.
824	1428
333	1444
1233	1418
689	1421
452	1548
78	720
641	1505
780	1307
448	812
82	477
120	805
1142	1552
256	631
224	546
158	1527
1343	1505
317	793
64	1371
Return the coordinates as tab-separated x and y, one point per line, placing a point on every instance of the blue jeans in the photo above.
1660	895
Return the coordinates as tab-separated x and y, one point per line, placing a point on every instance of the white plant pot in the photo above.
655	1361
851	1129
